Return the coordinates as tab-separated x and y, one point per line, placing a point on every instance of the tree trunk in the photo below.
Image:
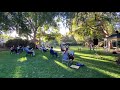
27	37
105	32
34	37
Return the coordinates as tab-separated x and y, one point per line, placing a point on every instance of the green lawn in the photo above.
43	66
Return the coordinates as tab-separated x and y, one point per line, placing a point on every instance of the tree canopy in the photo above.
82	25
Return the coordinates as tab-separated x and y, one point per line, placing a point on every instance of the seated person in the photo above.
53	52
13	49
43	49
62	47
71	55
67	55
29	51
18	49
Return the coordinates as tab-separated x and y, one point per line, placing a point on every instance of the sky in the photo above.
63	30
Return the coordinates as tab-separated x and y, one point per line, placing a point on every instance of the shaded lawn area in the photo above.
45	66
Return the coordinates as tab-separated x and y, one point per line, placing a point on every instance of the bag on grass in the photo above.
79	64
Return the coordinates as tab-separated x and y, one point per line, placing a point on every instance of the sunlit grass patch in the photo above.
63	66
17	72
56	49
113	75
22	59
40	67
44	57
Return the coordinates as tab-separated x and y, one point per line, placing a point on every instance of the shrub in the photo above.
20	42
32	45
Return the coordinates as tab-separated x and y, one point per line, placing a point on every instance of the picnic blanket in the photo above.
75	66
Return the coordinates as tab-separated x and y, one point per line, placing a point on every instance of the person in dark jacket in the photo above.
53	52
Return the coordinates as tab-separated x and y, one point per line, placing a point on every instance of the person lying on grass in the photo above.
53	52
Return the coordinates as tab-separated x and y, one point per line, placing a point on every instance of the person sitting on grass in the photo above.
29	50
52	52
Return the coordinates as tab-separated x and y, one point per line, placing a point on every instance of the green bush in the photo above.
20	42
32	45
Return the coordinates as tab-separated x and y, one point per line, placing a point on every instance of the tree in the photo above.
26	23
91	24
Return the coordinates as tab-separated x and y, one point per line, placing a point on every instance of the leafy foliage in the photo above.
20	42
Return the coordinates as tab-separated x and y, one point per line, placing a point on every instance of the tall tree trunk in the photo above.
27	37
105	32
34	37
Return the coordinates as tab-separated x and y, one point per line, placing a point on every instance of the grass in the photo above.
45	66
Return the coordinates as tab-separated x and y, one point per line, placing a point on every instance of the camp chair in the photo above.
68	62
52	54
29	53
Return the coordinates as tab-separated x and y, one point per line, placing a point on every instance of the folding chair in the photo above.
29	53
68	62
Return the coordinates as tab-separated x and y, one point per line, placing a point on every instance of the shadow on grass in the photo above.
99	57
110	67
98	52
43	66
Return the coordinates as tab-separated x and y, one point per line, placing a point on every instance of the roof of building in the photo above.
114	36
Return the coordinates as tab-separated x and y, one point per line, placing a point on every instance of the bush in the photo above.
20	42
9	43
32	45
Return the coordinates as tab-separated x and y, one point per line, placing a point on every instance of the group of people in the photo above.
20	49
66	53
16	50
